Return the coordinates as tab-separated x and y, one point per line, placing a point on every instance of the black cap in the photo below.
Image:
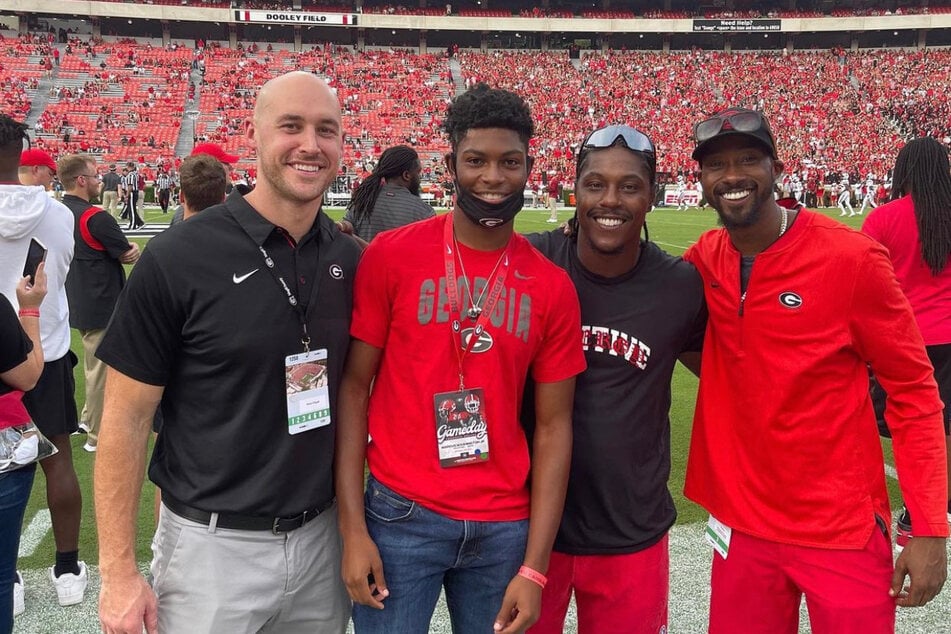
762	134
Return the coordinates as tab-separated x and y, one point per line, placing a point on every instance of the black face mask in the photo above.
487	214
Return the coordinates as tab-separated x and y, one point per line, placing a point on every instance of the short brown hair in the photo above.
71	167
204	181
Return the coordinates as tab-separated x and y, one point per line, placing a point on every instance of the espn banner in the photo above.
735	26
296	17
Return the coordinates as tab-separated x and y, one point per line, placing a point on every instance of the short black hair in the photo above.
12	134
484	107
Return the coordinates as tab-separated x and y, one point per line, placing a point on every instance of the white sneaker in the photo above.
70	588
84	426
19	592
91	448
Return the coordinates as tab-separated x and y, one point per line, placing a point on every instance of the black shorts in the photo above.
940	356
52	404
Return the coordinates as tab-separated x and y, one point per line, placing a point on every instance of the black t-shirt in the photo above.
634	328
203	316
15	346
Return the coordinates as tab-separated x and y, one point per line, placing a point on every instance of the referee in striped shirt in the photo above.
130	185
163	187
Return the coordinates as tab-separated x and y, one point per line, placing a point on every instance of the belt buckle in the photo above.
297	522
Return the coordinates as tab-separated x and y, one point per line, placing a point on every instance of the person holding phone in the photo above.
21	364
27	214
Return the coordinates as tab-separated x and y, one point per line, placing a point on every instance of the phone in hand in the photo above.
35	255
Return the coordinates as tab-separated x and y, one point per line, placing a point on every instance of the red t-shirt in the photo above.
401	306
895	226
784	444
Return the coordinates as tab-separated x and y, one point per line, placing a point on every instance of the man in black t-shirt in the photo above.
641	310
232	322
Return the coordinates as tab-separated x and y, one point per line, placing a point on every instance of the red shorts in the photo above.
615	594
759	586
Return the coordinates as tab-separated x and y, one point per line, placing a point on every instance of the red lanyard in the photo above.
497	283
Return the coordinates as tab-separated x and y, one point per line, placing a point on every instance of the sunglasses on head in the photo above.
609	136
746	121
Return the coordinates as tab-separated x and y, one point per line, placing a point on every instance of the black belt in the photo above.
245	522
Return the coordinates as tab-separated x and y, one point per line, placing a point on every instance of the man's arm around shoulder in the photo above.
551	461
126	601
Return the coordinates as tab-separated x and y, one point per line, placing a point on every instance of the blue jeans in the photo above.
15	487
423	552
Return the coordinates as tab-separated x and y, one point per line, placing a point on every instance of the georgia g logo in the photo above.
481	344
790	300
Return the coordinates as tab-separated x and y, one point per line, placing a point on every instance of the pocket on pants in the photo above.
385	505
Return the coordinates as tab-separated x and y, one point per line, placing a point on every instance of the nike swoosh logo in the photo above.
237	279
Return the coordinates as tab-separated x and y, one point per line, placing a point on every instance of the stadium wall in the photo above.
483	24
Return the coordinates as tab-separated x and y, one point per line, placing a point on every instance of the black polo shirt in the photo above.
96	276
203	316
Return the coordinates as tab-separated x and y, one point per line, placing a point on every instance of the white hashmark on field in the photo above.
35	532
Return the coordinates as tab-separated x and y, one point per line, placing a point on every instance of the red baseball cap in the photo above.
32	157
216	151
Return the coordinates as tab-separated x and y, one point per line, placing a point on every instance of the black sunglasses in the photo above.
612	135
746	121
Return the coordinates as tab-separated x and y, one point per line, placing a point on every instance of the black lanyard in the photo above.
291	297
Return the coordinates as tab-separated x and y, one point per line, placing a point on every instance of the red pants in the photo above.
758	588
615	594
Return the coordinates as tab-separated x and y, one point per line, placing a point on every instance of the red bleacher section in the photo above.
831	110
121	100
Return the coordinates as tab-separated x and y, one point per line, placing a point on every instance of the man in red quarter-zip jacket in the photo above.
785	452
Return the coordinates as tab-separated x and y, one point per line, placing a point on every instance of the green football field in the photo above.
672	230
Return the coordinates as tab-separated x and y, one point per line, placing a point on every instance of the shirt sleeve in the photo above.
144	335
16	345
561	354
105	229
873	228
372	305
886	335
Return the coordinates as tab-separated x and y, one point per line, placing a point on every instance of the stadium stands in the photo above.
832	111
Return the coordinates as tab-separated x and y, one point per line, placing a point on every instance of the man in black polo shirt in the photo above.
237	322
95	278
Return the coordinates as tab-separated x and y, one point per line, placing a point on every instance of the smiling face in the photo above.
614	193
491	163
737	175
298	135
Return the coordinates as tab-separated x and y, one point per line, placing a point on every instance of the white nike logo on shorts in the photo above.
237	279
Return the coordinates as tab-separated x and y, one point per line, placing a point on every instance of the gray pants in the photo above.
213	580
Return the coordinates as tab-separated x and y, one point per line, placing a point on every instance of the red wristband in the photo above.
29	312
533	575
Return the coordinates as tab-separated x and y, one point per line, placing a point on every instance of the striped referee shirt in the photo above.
130	182
162	181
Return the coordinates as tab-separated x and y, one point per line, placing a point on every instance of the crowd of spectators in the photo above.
832	111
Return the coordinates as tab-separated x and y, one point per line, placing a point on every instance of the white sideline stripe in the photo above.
890	471
669	244
39	526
